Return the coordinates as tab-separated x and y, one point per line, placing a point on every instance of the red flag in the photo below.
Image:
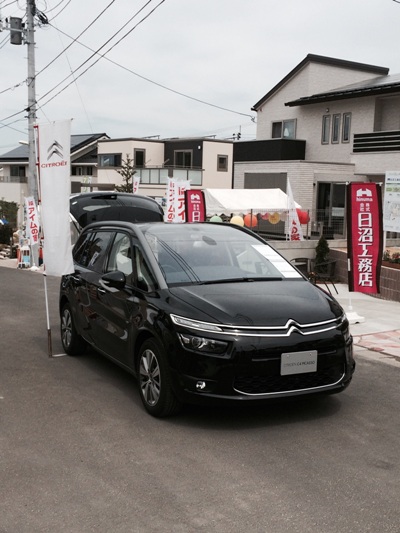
195	206
364	236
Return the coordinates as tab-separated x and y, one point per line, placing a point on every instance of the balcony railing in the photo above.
378	141
159	175
13	179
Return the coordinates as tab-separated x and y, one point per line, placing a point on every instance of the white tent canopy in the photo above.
242	201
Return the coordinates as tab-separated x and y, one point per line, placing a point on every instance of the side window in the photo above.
277	130
109	160
222	163
96	250
326	126
335	128
346	127
285	129
81	249
120	257
145	279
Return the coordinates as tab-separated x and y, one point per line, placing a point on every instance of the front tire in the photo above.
72	342
155	381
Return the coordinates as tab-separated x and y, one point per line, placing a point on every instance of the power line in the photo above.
113	62
10	125
103	45
61	53
136	74
94	52
74	40
10	4
55	7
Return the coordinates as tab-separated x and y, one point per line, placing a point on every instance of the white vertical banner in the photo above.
294	227
175	211
32	221
54	148
136	183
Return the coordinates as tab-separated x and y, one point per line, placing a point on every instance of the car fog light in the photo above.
200	385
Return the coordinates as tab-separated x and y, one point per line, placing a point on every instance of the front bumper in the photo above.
251	370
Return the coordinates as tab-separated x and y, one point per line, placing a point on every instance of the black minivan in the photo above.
101	206
202	313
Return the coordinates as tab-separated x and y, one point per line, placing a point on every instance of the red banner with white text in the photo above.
364	236
195	206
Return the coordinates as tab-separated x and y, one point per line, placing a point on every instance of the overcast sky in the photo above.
223	55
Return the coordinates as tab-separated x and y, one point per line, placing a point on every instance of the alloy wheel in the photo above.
66	328
150	377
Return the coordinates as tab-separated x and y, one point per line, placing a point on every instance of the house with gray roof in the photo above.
340	121
14	168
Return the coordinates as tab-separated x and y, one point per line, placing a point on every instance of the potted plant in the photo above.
322	251
391	259
322	268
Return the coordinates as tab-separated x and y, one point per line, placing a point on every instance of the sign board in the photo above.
391	206
195	206
364	236
175	209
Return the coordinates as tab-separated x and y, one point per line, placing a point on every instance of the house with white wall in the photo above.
206	162
96	160
343	116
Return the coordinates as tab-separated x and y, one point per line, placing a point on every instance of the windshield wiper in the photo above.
238	280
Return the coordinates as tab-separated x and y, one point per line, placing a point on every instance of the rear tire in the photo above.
72	342
155	381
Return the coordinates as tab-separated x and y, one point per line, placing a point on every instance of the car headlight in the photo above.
202	344
194	324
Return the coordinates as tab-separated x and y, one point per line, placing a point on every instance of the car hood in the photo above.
264	303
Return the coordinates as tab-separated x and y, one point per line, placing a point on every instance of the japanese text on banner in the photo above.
364	236
176	200
32	221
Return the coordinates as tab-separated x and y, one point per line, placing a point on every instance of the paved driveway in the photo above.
79	454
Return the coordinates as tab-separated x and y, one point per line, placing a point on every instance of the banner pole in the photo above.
49	344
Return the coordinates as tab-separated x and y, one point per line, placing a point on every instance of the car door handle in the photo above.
101	291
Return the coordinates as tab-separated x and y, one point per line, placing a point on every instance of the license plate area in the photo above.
299	362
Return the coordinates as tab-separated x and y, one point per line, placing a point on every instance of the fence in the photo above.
332	224
319	222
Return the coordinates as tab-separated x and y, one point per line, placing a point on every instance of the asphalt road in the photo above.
79	454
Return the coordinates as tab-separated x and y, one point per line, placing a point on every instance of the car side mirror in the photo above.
114	280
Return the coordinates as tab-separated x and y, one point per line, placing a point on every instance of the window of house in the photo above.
139	158
183	158
326	126
17	171
110	160
82	171
285	129
222	163
335	128
346	127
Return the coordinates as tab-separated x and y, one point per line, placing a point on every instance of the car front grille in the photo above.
275	384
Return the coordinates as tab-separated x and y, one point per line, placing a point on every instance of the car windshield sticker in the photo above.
286	269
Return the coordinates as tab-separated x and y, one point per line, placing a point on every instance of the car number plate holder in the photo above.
299	362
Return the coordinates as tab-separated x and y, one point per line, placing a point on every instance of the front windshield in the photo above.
212	253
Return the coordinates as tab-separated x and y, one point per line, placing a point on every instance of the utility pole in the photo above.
31	109
18	35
